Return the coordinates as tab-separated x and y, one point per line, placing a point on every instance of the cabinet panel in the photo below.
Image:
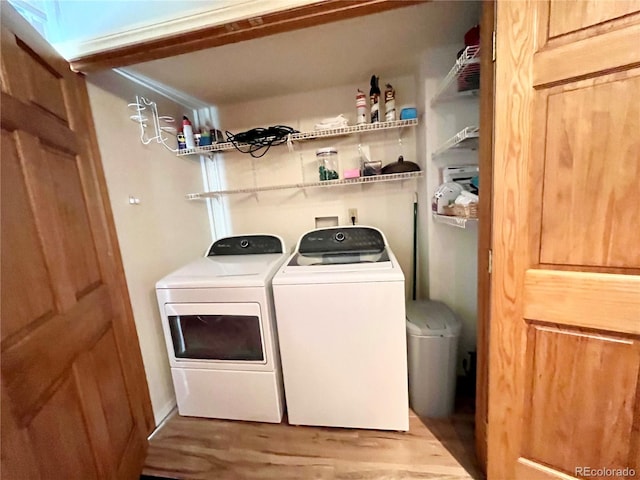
61	422
31	268
566	17
566	426
113	392
73	220
45	83
590	169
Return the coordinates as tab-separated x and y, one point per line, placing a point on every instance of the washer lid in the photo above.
426	318
225	271
311	260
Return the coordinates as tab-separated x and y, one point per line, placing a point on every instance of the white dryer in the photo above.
218	320
340	309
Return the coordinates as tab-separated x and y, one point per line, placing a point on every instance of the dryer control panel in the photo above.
342	240
246	245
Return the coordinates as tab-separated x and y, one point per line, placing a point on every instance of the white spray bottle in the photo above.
187	129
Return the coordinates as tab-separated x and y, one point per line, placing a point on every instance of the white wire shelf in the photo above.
364	127
475	93
334	132
459	222
393	177
466	139
462	76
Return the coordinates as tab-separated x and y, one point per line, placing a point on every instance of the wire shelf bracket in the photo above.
466	139
459	222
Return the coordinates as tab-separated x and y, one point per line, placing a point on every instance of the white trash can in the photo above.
433	332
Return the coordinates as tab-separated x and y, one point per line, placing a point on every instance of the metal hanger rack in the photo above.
146	115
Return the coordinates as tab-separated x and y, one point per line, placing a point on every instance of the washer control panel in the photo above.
342	240
246	245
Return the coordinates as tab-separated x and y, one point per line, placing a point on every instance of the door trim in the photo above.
237	31
515	24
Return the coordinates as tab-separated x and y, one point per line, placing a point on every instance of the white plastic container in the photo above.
433	332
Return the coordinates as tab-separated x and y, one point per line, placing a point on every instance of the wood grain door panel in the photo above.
51	427
74	396
565	334
14	80
43	78
32	367
78	243
113	393
591	168
569	16
590	415
17	272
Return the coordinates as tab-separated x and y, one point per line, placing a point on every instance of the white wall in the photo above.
452	251
160	234
447	256
165	231
290	213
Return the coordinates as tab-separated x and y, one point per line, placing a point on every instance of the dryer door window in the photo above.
223	332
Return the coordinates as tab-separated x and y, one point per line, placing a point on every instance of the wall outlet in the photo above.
353	216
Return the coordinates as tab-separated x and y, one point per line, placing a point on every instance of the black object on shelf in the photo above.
400	167
257	141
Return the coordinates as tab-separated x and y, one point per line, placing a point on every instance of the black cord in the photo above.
259	139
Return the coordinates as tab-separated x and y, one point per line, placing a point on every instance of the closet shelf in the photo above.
327	183
466	69
466	139
459	222
312	135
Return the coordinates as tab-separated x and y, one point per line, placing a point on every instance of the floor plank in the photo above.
202	449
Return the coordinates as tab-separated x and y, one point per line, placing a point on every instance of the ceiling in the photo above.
339	53
80	28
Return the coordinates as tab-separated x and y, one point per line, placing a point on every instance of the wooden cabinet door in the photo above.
564	396
75	402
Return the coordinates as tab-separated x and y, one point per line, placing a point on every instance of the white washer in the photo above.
218	319
340	307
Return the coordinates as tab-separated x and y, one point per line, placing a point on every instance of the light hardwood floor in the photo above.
196	448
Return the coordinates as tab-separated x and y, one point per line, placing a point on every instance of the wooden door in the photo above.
564	397
75	402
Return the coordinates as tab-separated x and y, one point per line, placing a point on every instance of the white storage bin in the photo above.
433	332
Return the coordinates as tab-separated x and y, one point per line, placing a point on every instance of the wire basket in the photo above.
464	211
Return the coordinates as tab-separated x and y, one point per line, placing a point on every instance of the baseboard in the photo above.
161	414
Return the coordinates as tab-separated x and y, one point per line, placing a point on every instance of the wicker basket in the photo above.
464	211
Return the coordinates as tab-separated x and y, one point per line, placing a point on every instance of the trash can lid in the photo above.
427	318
